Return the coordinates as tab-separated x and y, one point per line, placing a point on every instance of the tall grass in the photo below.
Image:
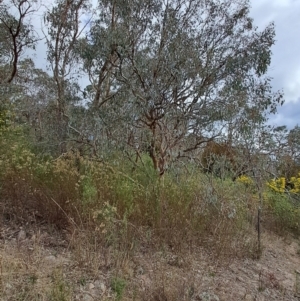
127	207
120	205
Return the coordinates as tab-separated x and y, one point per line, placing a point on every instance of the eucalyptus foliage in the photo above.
16	35
181	72
157	77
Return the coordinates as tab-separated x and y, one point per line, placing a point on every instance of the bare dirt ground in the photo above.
40	264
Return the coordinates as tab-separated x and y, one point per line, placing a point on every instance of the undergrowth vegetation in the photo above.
119	204
108	205
130	207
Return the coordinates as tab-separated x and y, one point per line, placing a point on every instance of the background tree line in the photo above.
164	80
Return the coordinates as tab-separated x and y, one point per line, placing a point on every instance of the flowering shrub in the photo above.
245	180
295	182
247	183
277	185
282	185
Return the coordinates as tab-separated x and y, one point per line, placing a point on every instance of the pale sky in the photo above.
285	65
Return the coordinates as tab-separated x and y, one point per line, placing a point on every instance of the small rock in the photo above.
91	286
21	235
241	292
87	297
175	261
207	297
51	260
8	286
100	285
97	283
248	298
103	287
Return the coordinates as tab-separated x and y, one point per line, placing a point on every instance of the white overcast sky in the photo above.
285	65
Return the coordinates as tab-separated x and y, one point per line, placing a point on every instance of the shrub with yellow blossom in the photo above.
280	184
295	182
245	180
277	185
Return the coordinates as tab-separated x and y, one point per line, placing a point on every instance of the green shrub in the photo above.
118	285
282	211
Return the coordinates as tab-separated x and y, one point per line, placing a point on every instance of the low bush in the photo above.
282	214
121	205
128	207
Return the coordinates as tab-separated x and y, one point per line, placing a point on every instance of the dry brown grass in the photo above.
81	195
108	217
46	265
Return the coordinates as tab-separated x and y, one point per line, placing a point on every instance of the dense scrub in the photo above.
133	207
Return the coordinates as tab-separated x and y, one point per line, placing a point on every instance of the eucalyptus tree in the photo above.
16	35
186	70
65	24
287	155
34	103
293	140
